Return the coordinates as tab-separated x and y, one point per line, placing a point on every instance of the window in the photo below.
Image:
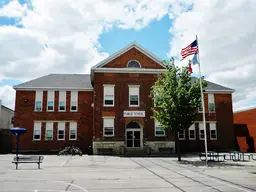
133	64
61	131
201	131
37	131
39	99
134	96
211	104
12	120
109	95
50	101
192	132
108	127
181	135
73	101
213	131
72	130
49	131
159	130
62	101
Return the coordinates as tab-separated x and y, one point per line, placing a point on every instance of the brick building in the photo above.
111	108
245	123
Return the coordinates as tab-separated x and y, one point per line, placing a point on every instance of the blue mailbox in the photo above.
18	131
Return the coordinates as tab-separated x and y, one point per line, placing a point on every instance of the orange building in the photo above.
245	123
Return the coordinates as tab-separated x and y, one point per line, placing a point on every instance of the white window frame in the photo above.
39	98
157	124
61	126
213	126
108	90
48	126
211	101
74	98
198	109
50	98
184	134
192	128
108	118
130	87
37	127
201	127
72	126
133	67
62	98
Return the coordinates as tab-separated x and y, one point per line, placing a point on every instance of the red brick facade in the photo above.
25	116
91	111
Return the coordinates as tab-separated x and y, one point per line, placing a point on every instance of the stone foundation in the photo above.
117	146
154	145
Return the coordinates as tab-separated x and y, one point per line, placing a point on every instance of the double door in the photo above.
133	139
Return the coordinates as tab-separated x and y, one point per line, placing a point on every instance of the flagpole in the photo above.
202	98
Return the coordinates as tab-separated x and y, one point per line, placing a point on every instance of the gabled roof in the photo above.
127	48
59	81
7	108
245	109
213	87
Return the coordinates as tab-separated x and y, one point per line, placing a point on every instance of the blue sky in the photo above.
72	34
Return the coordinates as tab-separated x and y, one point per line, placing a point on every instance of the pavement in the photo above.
119	174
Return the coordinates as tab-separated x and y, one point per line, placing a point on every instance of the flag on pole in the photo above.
194	60
189	67
189	50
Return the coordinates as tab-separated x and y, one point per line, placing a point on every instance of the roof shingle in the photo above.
71	81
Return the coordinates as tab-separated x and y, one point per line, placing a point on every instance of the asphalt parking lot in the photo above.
116	174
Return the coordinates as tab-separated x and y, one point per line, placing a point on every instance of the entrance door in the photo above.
133	138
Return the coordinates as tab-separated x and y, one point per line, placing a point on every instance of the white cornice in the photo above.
127	48
129	70
51	88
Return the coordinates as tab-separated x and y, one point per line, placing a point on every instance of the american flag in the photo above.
189	50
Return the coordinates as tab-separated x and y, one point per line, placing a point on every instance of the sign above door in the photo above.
134	113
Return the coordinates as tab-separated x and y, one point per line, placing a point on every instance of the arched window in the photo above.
133	125
133	64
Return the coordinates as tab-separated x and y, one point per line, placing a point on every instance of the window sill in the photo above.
72	139
36	140
38	111
48	140
192	139
108	106
108	135
134	106
73	111
182	139
60	139
213	139
62	111
50	111
160	135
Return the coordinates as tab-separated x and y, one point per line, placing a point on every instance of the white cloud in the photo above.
227	43
7	95
61	36
13	9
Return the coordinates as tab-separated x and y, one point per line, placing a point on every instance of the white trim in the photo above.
75	94
61	128
192	127
127	48
72	128
39	124
220	91
215	128
133	67
104	127
108	86
157	124
201	128
129	70
51	88
39	98
48	128
134	86
184	134
64	99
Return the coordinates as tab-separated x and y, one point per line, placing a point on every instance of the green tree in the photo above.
176	96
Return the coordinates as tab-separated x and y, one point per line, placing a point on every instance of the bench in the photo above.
213	156
105	151
28	159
